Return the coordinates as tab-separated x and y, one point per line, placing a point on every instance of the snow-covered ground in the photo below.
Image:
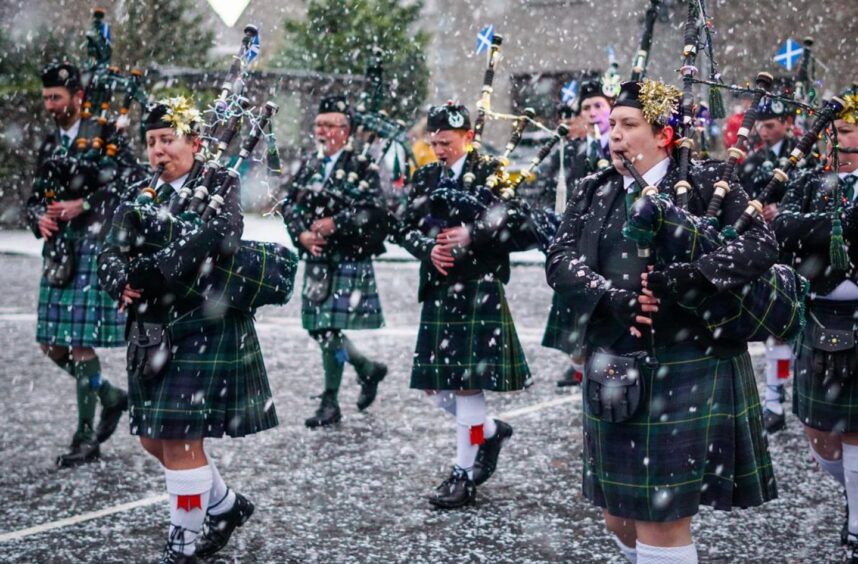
354	493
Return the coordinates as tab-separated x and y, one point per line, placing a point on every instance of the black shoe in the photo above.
487	456
218	528
570	378
170	556
109	419
86	451
456	491
328	413
851	549
773	422
369	385
844	530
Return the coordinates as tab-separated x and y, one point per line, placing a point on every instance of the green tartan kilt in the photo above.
215	383
80	314
826	404
561	331
697	439
467	341
353	302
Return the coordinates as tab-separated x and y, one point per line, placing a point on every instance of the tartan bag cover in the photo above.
772	305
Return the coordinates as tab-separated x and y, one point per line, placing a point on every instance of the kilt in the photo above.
81	314
215	383
820	403
353	302
467	340
697	439
561	331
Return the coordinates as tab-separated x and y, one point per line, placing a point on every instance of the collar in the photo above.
72	131
458	166
176	184
843	175
776	148
652	177
335	157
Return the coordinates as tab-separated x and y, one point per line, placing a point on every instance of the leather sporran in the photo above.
149	351
317	282
613	387
59	261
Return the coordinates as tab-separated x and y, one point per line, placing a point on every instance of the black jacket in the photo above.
491	242
102	197
756	172
157	273
360	214
573	262
803	229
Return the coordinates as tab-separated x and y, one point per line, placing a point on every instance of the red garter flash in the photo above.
579	376
783	369
189	502
477	435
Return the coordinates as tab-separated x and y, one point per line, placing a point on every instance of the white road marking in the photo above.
83	517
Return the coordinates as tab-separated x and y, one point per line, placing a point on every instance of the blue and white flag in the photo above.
105	32
252	50
484	38
569	91
789	54
612	57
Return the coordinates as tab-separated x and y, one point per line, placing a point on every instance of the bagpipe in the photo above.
254	273
97	158
373	124
349	186
772	305
641	59
495	201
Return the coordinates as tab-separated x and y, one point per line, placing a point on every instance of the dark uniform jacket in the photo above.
158	274
589	256
756	171
577	163
360	215
803	229
491	242
102	199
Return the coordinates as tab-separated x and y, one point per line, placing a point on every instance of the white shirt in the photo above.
71	132
176	184
843	175
458	166
329	167
652	177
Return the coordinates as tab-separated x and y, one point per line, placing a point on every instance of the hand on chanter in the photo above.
324	227
313	242
128	296
454	237
66	210
442	258
47	226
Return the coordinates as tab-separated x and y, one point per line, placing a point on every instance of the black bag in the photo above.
835	355
59	261
317	282
149	351
612	386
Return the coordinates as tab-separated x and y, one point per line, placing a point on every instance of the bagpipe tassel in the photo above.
837	249
716	103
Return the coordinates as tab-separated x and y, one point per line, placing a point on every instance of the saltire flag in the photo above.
484	38
252	50
789	54
569	91
105	32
